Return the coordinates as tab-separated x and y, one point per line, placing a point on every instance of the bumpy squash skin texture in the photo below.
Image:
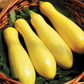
53	41
20	63
41	57
71	33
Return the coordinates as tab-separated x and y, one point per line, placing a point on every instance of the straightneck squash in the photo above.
41	57
60	50
71	33
20	63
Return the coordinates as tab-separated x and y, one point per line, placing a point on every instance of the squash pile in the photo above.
46	49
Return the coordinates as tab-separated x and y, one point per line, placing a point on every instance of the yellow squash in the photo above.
20	63
41	57
57	46
71	33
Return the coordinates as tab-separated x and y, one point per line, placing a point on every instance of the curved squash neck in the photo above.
23	27
11	37
49	9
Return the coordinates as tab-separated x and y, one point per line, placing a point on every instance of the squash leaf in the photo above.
12	18
4	67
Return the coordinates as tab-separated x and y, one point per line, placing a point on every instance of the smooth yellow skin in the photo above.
41	57
71	33
60	50
20	63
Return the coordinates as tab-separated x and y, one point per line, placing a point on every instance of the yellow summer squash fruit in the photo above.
71	33
41	57
60	50
20	63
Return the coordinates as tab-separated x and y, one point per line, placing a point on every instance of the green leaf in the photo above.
12	18
40	80
25	15
62	73
4	67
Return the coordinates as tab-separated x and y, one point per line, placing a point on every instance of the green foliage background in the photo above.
61	75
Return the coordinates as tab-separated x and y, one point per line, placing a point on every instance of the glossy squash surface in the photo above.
20	63
41	57
60	50
71	33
